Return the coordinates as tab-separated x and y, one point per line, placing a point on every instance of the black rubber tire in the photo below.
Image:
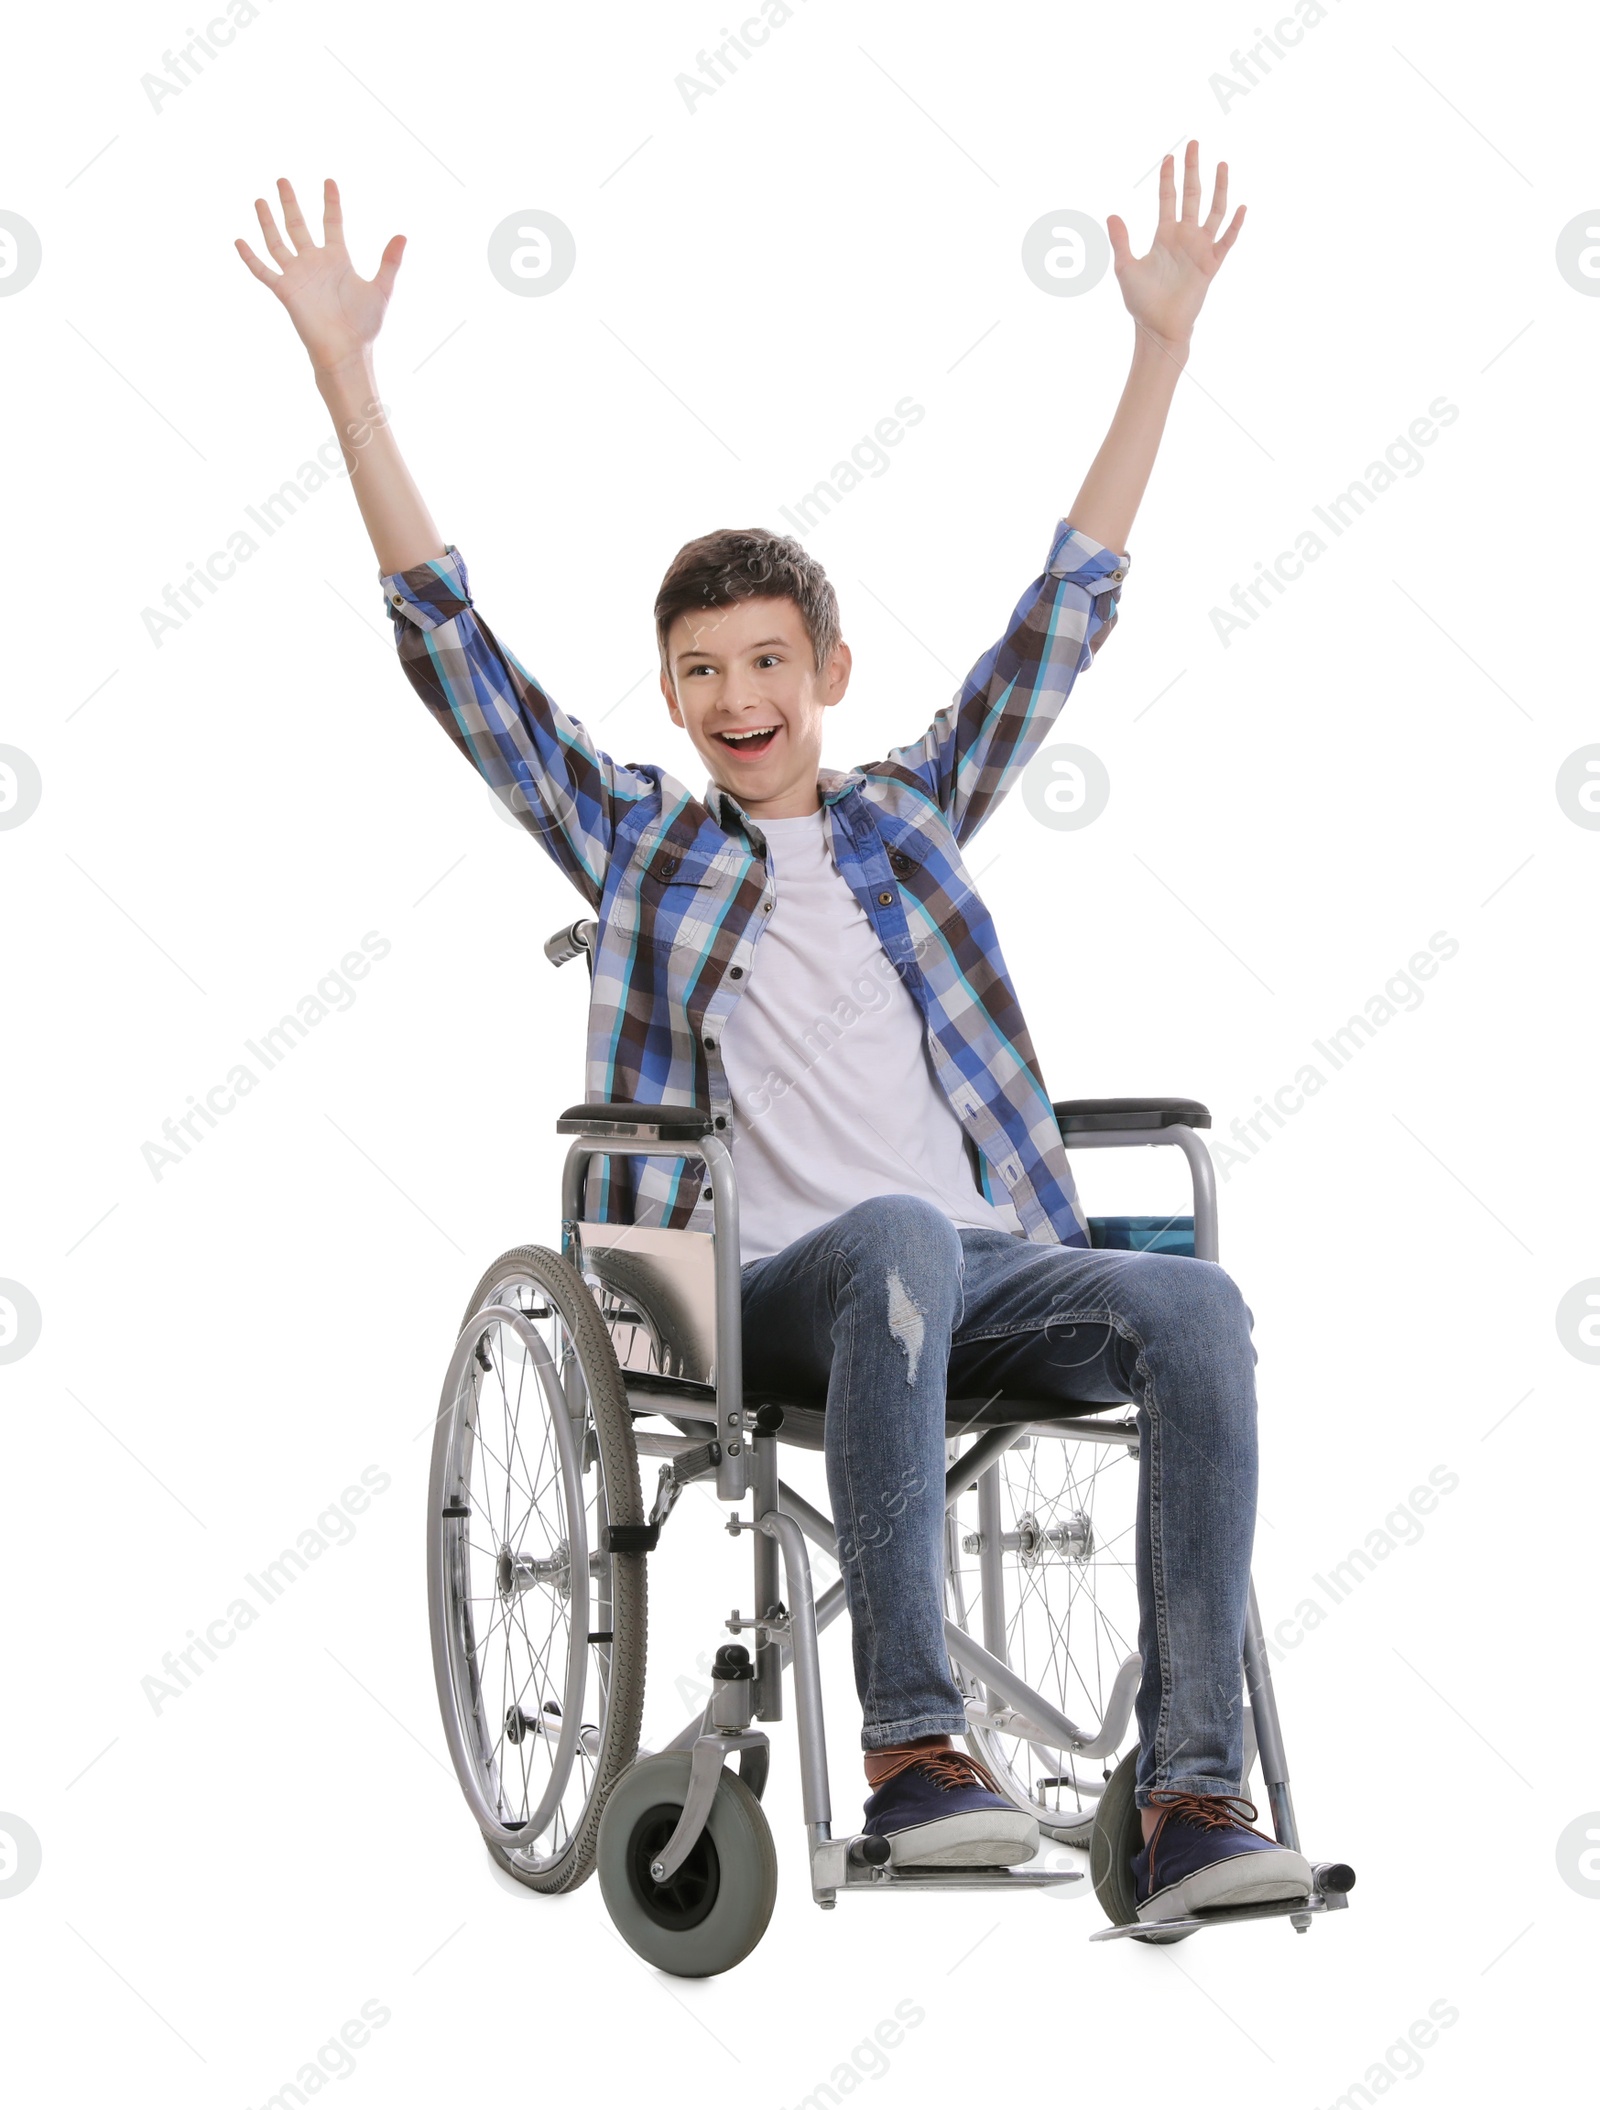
1113	1843
1117	1836
559	1282
732	1886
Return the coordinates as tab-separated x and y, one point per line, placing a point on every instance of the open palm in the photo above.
1163	290
337	312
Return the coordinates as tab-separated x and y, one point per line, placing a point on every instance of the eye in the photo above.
773	656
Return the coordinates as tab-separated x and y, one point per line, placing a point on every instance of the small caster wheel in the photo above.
1115	1840
710	1914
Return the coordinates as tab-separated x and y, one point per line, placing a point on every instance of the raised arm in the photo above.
1003	711
1000	716
540	761
1162	291
338	314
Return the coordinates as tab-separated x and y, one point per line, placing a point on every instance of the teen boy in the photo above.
801	954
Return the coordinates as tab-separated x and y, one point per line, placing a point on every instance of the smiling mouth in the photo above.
751	743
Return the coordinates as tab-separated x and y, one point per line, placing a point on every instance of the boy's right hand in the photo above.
336	312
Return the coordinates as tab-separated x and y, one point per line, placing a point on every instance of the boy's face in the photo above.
741	682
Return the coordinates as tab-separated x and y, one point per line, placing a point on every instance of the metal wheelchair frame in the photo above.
746	1452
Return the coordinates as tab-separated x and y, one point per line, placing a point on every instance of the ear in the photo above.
672	702
836	673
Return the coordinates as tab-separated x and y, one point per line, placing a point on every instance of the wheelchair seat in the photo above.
803	1421
658	1292
692	1408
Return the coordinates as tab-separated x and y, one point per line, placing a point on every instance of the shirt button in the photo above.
710	1043
885	899
1119	573
722	1121
736	972
705	1194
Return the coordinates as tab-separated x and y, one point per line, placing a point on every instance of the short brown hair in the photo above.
746	564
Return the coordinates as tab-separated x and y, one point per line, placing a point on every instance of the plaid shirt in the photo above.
681	885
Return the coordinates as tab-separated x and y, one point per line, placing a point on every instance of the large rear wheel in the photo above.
1039	1568
538	1631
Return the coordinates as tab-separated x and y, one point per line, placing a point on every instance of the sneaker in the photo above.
942	1809
1202	1856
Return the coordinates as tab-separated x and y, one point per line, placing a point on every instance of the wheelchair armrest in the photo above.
622	1117
1087	1116
571	940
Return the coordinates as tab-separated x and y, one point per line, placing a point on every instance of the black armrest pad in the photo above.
1081	1116
672	1123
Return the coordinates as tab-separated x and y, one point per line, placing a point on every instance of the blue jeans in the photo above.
888	1309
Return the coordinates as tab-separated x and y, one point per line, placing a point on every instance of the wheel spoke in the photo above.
519	1633
1067	1602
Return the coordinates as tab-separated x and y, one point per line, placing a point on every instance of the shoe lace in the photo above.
1210	1812
947	1769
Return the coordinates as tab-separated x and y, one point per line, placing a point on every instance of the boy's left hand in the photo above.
1164	289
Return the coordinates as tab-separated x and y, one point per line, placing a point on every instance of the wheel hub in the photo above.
687	1896
520	1725
516	1572
1032	1541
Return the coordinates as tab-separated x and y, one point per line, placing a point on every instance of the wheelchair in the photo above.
570	1367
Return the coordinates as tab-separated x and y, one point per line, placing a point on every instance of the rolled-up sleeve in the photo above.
539	760
1002	713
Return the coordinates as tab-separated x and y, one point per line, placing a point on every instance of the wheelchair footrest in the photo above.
1328	1898
843	1864
892	1878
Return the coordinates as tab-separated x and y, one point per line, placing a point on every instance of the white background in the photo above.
1292	815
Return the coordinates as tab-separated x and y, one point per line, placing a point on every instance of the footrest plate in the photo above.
1280	1908
891	1878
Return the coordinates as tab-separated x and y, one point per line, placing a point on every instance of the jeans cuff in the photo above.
877	1736
1205	1784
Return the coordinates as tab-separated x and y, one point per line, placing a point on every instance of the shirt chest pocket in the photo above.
680	899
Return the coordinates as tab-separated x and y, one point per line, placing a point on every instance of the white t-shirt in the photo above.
834	1096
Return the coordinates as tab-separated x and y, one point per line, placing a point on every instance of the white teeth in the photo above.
742	739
